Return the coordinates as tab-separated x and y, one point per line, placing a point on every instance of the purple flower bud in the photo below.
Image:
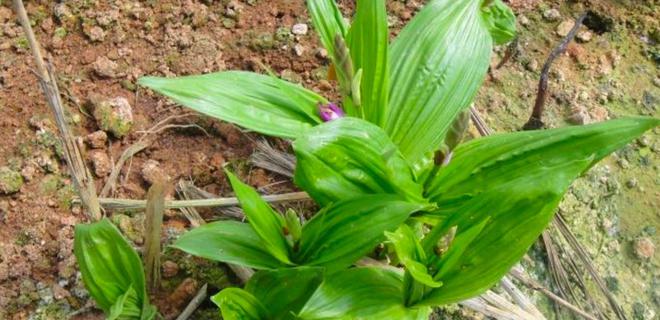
330	111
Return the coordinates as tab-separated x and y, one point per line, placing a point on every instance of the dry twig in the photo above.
128	204
537	286
586	261
197	300
80	175
153	231
273	160
536	119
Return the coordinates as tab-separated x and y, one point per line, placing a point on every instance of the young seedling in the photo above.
112	272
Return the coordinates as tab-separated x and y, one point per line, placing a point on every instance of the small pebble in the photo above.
151	172
551	15
105	67
644	248
523	20
97	139
564	28
299	29
321	53
96	34
584	36
299	49
170	269
101	163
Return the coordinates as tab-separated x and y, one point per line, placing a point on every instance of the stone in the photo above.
46	162
584	36
101	163
644	248
322	53
291	76
105	67
217	161
113	115
564	28
579	115
325	85
300	29
62	12
170	269
599	114
95	33
532	65
298	49
551	15
10	181
523	20
97	139
151	172
28	172
5	14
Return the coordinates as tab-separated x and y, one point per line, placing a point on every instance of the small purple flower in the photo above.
330	111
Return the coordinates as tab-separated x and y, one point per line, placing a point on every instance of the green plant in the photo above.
334	238
389	166
112	272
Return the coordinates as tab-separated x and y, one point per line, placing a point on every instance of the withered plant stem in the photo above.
536	119
80	175
127	204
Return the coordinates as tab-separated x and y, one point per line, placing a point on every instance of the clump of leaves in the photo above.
112	272
389	166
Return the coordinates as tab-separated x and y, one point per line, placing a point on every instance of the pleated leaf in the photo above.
238	304
368	40
265	222
257	102
342	233
230	242
501	22
332	28
361	293
110	269
437	64
285	291
409	251
347	157
328	22
513	183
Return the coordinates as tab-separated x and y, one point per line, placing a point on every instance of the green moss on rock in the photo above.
113	115
10	181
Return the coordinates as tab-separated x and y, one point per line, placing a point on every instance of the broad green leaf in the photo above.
328	21
238	304
361	293
437	64
126	307
516	181
110	267
284	292
501	21
257	102
332	28
267	223
447	263
411	255
342	233
228	241
347	157
368	40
